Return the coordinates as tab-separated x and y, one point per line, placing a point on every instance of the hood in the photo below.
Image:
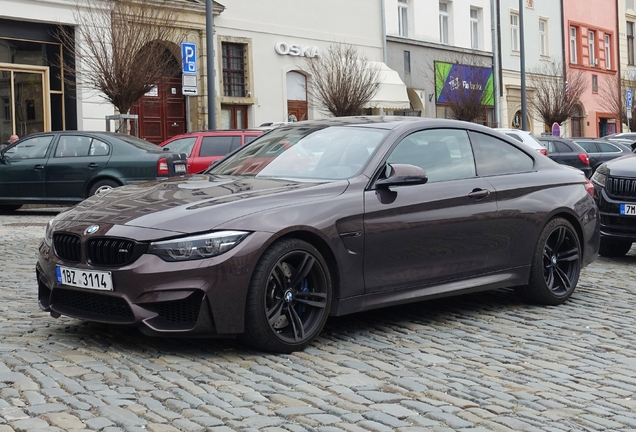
624	166
176	204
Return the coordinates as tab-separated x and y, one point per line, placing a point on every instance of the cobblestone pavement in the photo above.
471	363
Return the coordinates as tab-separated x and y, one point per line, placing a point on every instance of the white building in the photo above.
423	33
543	42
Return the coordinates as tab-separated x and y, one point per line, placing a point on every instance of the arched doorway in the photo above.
296	96
161	111
576	121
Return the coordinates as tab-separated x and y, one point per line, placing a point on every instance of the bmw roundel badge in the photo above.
91	229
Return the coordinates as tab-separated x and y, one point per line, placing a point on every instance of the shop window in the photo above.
233	69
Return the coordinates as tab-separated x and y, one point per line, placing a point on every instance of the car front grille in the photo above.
184	311
621	187
92	305
622	224
68	247
110	252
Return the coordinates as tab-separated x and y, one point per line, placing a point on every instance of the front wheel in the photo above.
556	265
288	299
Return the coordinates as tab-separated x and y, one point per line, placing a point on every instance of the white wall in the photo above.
91	108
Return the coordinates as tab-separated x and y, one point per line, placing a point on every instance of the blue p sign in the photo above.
628	96
189	57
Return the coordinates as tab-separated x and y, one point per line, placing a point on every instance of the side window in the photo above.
236	143
99	148
562	147
72	146
607	148
182	145
249	138
515	136
445	154
588	146
550	146
215	146
33	148
496	157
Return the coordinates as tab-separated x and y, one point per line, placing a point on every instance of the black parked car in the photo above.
602	150
67	167
615	184
567	152
319	218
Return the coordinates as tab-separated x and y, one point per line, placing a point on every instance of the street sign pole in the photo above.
189	86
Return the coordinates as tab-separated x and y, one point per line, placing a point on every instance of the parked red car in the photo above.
205	147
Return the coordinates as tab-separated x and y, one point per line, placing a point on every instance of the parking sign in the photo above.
189	57
629	98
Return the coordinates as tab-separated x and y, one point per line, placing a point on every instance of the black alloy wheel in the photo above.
289	298
556	265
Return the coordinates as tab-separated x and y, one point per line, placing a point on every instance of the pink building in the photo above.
591	44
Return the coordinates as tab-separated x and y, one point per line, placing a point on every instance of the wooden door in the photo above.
576	126
298	109
162	112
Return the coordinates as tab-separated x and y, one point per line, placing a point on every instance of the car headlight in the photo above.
48	234
196	247
599	178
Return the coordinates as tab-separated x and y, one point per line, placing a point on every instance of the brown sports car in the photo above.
323	218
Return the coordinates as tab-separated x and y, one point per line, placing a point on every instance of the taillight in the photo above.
589	187
584	158
162	166
544	152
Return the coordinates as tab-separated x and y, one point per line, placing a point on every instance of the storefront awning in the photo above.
392	94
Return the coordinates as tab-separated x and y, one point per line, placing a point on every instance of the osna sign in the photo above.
297	50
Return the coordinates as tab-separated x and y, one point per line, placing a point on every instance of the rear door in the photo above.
76	159
23	170
213	148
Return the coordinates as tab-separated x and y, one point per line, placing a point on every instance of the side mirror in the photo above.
401	175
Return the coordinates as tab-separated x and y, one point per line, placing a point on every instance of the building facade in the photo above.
434	44
592	41
543	44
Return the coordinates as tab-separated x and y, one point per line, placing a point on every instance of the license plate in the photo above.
628	209
91	279
180	168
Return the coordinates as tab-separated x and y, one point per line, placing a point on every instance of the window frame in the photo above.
574	45
444	24
475	39
630	42
230	87
514	32
591	46
403	18
607	40
543	38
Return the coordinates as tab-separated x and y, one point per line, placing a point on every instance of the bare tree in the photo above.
342	81
119	47
613	97
556	90
464	87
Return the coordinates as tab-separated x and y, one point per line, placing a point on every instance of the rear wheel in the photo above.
289	298
102	186
9	208
556	265
614	248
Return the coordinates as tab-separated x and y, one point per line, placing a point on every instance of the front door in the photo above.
23	168
24	103
434	232
161	112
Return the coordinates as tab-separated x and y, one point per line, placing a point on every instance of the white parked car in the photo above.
524	137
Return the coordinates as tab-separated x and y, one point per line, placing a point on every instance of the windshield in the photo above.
318	153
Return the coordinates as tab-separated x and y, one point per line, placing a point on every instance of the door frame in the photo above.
46	90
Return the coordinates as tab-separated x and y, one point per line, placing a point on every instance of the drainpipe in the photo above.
384	54
495	60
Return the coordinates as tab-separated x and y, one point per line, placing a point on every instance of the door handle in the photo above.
93	165
38	167
478	194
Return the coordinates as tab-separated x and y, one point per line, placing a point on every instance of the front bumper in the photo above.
615	226
202	297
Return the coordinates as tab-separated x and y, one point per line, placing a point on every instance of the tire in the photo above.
614	248
102	186
289	298
9	208
556	265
